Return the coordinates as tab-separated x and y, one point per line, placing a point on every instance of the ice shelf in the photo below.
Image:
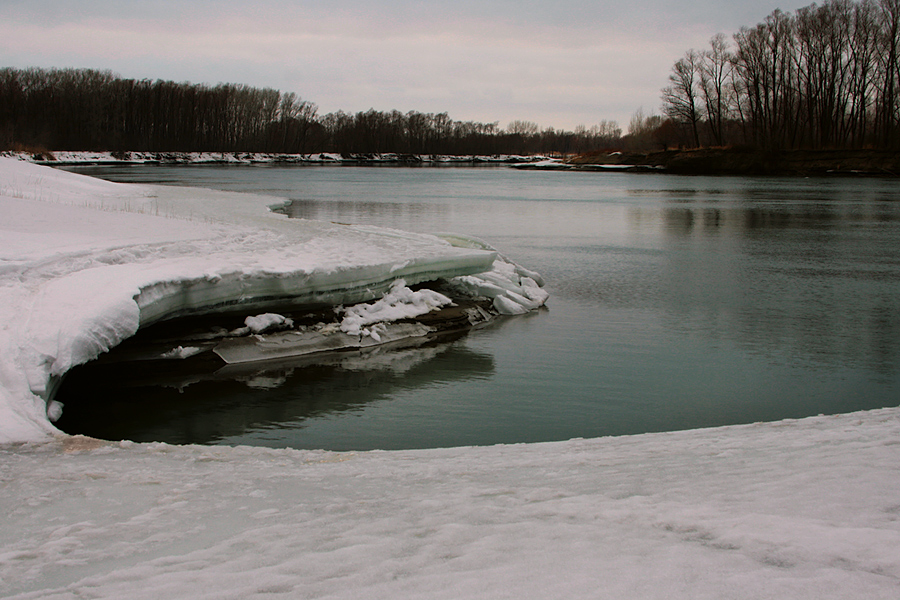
85	263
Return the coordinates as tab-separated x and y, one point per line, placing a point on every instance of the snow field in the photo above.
797	509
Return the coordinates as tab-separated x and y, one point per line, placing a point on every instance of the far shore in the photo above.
85	157
747	161
703	161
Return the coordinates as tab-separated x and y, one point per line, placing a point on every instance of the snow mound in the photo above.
267	322
32	182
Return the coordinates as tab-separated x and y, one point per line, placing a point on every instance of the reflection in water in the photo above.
815	276
150	401
751	208
756	219
395	214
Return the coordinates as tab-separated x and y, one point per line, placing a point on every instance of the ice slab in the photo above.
295	343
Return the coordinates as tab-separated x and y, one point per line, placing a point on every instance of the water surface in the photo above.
676	302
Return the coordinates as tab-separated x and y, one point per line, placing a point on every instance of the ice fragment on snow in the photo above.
181	352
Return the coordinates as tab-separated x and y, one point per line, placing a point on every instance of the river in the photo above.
676	303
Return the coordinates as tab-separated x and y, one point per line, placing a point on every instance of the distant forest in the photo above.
84	109
825	77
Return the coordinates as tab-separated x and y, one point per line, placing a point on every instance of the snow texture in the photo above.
802	509
399	303
799	509
267	322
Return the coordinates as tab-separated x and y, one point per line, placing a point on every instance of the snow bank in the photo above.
84	263
800	509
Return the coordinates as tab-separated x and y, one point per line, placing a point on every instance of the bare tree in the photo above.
680	99
888	80
715	75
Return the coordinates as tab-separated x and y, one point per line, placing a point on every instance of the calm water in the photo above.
676	302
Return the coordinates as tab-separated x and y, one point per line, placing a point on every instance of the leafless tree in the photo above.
681	97
827	76
715	84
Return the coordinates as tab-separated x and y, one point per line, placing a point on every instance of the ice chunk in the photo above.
181	352
511	293
505	305
293	344
399	303
267	322
513	289
54	410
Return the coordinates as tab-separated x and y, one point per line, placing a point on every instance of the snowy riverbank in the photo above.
795	509
802	509
247	158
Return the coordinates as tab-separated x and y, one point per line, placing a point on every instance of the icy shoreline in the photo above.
799	509
85	263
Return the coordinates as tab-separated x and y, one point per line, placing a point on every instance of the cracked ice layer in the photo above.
84	263
513	289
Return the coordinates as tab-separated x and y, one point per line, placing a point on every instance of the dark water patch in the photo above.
191	403
167	384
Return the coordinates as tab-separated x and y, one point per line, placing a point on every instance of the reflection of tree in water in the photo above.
816	278
755	210
749	220
148	402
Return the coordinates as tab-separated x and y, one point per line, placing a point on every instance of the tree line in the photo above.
826	76
86	109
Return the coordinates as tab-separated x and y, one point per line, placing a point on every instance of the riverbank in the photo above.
798	509
744	161
86	263
64	158
705	161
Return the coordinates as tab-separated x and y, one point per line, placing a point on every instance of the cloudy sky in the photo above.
559	63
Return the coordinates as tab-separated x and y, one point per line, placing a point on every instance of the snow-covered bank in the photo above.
84	263
315	158
800	509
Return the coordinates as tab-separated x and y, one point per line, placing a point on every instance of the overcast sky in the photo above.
559	63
